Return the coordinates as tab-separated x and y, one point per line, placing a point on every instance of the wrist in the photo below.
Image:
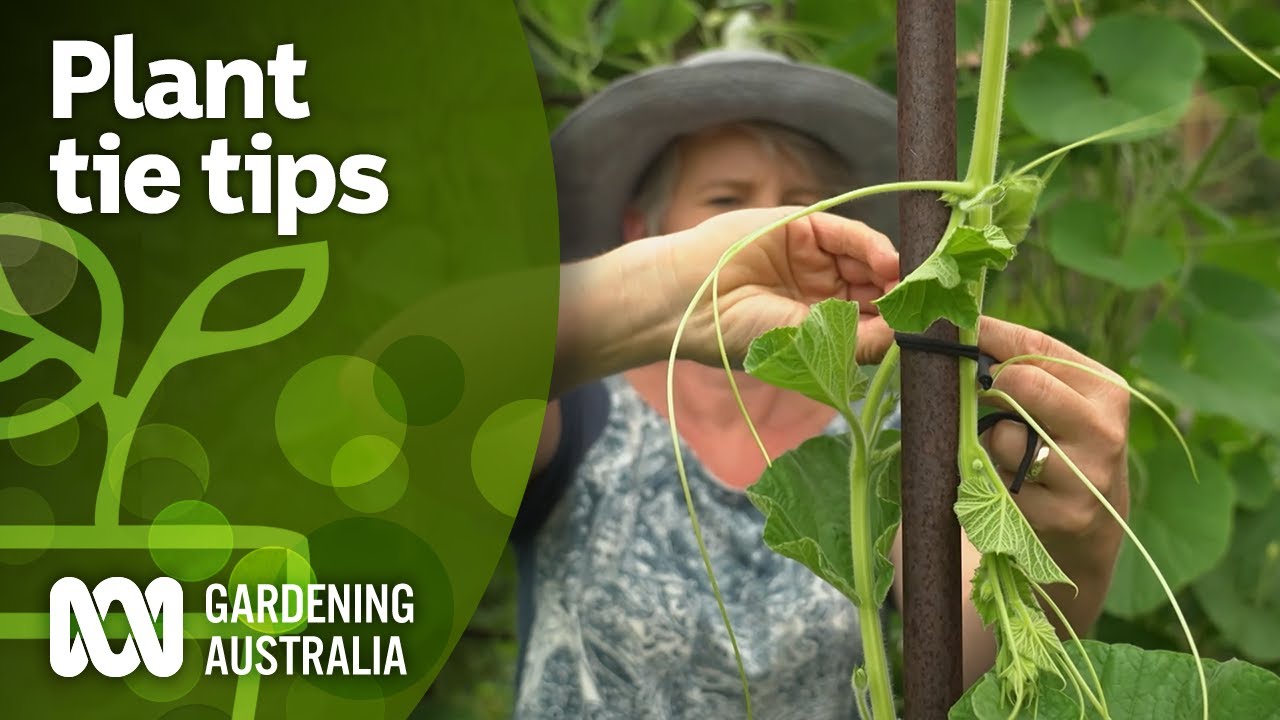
615	313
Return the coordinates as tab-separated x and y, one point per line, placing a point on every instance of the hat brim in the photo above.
603	147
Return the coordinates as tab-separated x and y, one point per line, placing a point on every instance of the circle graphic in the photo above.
340	421
429	374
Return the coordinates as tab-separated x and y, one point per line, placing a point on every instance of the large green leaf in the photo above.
1185	525
1139	685
1256	473
946	284
1240	298
1242	595
816	359
1226	353
804	496
1084	235
1146	63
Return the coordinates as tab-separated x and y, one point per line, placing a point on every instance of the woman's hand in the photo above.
1088	418
773	281
620	310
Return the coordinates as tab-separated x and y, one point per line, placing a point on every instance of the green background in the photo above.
433	337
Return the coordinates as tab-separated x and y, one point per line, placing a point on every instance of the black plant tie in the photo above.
921	343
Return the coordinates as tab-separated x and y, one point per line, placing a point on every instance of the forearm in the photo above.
617	311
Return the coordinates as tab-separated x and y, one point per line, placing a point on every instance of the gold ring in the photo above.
1037	465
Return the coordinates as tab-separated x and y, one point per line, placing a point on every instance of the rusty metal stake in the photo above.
930	396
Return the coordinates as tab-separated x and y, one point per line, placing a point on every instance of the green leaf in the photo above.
639	23
994	524
1014	211
1139	685
568	21
1256	25
1185	525
1242	595
945	285
1146	63
804	496
1227	350
1256	473
816	359
1026	642
851	35
1242	299
1084	235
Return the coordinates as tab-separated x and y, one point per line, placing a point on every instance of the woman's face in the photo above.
727	169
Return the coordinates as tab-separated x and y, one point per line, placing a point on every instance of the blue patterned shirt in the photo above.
617	618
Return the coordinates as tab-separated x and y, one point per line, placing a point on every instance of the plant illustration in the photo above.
184	339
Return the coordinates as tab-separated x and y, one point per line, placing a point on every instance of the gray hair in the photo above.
652	197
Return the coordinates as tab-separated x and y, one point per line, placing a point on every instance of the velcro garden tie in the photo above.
985	362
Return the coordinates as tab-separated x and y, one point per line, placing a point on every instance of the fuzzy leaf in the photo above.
945	285
1138	685
1014	211
816	359
804	497
993	523
1026	642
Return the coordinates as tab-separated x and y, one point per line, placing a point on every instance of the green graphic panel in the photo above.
197	395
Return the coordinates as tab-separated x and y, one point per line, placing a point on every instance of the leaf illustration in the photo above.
185	339
96	368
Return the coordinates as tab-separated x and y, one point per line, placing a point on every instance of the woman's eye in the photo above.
724	201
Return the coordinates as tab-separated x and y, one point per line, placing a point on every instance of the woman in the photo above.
657	175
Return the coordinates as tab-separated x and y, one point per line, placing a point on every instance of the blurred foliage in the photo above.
1158	257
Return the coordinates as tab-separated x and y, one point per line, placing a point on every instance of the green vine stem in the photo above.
863	550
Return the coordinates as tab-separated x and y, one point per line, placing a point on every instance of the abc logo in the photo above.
69	655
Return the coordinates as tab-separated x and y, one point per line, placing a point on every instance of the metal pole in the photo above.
930	395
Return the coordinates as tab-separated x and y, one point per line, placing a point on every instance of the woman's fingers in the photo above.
1005	340
1058	407
853	240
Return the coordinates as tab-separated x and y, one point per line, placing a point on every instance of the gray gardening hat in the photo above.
603	148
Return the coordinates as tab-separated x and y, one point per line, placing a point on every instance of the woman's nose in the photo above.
768	198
